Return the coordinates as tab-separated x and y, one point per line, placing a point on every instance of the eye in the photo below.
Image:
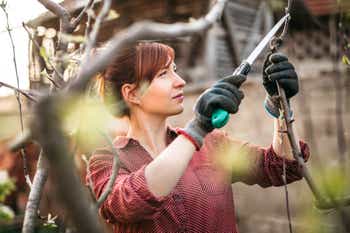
163	73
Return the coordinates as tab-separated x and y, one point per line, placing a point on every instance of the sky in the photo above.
19	11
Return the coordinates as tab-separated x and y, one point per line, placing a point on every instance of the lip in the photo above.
179	96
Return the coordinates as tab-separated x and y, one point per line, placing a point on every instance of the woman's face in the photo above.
164	95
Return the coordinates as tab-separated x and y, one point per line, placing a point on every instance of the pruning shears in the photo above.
220	117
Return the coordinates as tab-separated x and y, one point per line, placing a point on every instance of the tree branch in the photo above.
115	169
25	93
47	128
77	20
3	7
59	11
34	198
93	35
142	30
21	141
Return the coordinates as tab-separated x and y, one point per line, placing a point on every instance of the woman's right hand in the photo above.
224	94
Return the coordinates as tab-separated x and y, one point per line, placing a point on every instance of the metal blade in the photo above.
258	49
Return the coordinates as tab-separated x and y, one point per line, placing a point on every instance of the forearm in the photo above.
163	173
281	144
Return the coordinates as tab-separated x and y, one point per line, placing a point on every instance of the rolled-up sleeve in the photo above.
130	199
253	164
273	165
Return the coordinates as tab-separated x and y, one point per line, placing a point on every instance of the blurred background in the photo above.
318	44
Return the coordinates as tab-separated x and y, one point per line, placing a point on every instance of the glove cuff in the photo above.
272	106
194	132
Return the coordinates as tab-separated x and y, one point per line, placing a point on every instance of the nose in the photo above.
178	81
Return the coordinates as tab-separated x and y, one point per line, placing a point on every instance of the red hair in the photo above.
133	65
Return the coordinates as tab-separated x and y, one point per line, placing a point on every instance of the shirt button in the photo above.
177	198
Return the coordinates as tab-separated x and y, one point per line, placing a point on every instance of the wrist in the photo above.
272	106
194	132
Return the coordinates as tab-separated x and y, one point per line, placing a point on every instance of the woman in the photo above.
180	180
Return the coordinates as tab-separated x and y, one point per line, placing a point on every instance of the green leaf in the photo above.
6	213
7	185
346	60
43	54
112	14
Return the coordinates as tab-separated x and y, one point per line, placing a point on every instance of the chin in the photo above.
176	111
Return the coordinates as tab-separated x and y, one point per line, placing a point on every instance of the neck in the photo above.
149	130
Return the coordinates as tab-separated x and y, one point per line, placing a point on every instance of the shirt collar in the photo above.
121	142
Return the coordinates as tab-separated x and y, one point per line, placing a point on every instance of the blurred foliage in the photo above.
112	14
6	213
345	60
7	185
277	5
84	119
50	225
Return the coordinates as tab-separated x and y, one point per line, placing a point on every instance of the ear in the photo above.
130	93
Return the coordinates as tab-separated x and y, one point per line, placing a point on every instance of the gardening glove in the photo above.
224	94
278	68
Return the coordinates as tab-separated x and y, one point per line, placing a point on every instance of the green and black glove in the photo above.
224	94
278	68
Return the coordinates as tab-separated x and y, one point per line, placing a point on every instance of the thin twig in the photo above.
21	141
87	25
77	20
93	35
14	62
17	93
25	93
115	169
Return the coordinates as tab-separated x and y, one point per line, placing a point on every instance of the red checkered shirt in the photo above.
202	201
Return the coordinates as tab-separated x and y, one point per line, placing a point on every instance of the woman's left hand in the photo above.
278	68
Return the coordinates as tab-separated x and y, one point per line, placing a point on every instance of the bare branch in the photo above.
143	30
58	10
25	93
35	195
93	35
21	141
115	168
77	20
3	7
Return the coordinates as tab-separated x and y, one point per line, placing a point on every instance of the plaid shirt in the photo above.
202	201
